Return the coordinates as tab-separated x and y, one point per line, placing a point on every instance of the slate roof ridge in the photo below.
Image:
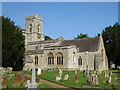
83	38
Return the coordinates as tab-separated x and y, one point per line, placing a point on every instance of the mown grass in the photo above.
11	82
51	76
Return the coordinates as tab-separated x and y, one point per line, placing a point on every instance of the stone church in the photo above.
59	53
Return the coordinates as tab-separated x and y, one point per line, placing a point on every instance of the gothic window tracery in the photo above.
50	59
59	59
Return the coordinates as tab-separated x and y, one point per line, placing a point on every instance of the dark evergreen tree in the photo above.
12	45
81	36
111	37
48	38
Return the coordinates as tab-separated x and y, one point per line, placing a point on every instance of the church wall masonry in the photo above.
60	53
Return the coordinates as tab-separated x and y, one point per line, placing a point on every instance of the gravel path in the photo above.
52	84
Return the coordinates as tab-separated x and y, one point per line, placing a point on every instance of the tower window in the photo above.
38	28
30	28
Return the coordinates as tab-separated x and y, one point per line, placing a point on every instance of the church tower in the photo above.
33	32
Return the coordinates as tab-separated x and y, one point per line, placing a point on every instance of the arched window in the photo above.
50	59
73	56
59	59
36	60
30	27
79	60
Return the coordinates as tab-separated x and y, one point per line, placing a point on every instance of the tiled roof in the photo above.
84	44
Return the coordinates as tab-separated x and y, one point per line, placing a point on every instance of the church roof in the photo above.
84	44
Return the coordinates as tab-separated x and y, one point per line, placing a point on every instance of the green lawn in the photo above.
51	76
11	81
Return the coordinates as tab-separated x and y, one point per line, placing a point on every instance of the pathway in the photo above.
52	84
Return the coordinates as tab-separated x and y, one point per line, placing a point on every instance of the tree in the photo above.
12	45
81	36
48	38
111	38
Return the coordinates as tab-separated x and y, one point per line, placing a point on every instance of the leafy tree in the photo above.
111	37
81	36
12	45
48	38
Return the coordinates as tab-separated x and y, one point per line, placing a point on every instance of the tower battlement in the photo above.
34	16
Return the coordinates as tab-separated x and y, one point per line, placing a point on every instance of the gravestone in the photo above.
42	71
76	72
33	83
90	79
93	79
60	72
66	77
76	77
17	80
105	72
109	79
39	71
4	82
58	77
28	83
96	80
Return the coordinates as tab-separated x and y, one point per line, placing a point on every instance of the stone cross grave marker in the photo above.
39	71
33	83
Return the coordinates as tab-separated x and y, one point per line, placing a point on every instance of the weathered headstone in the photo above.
39	71
96	80
93	79
60	72
90	79
17	80
58	77
105	72
109	79
76	77
66	77
76	72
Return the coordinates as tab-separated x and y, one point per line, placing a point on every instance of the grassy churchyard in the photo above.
82	80
18	79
